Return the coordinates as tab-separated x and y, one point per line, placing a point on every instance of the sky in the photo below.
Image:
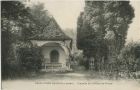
66	13
134	30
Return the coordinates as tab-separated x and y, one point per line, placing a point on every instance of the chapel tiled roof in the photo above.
51	32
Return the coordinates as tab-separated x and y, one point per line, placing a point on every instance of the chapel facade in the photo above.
55	47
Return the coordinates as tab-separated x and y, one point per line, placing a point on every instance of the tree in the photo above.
19	23
102	29
118	16
90	32
40	19
14	16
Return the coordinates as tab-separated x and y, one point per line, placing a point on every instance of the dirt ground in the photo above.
69	81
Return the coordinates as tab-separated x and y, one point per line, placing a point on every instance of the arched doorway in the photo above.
54	56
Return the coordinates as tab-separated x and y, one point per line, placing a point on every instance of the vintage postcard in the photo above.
70	45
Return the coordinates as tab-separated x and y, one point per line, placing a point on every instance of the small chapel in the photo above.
55	47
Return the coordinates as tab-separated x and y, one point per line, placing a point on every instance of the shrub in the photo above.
78	61
30	58
129	57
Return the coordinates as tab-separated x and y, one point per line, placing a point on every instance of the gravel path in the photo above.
69	81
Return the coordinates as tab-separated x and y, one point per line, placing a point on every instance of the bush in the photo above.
129	57
78	62
30	58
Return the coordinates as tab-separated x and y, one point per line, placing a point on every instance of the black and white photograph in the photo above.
70	44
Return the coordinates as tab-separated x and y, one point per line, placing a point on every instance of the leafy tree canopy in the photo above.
102	22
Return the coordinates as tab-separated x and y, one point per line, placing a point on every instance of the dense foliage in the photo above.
14	16
31	58
40	19
129	58
18	24
102	30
